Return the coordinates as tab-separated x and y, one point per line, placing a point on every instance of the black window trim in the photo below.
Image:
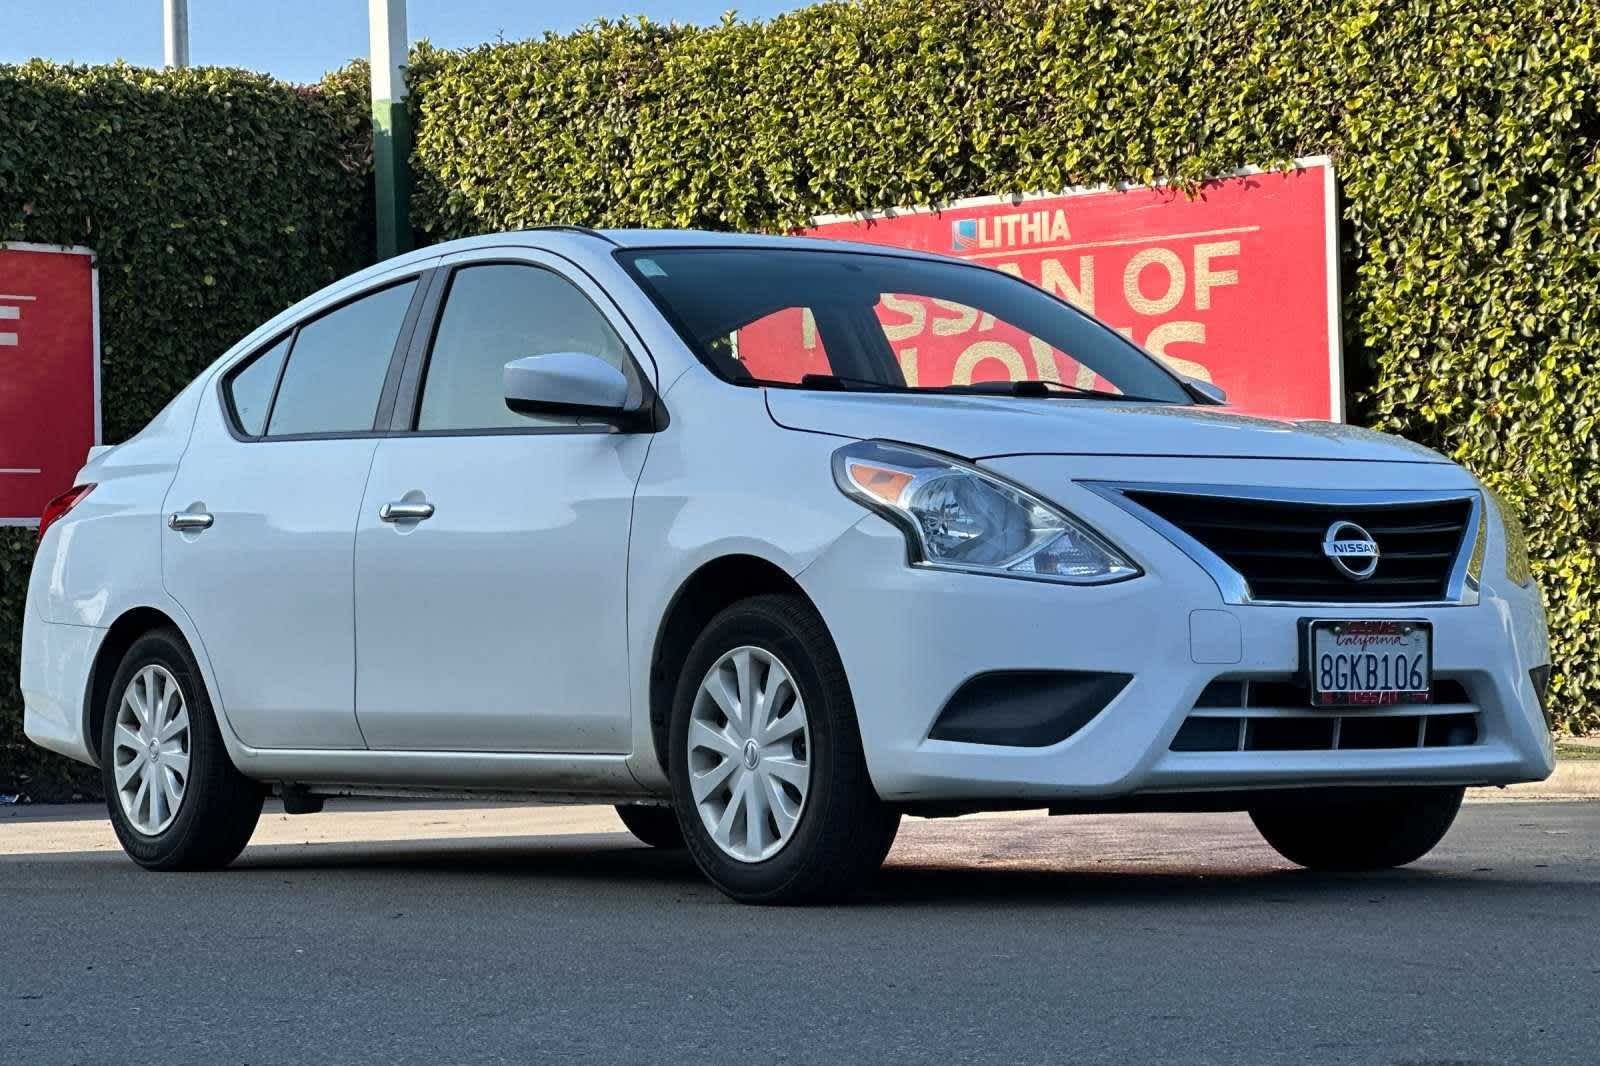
425	280
407	407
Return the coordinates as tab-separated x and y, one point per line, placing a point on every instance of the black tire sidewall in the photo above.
208	760
656	826
1359	829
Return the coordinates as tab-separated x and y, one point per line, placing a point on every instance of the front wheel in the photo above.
175	798
768	777
1358	829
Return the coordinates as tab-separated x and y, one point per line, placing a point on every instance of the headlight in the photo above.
957	517
1518	568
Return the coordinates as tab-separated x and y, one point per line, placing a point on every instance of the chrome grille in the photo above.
1275	545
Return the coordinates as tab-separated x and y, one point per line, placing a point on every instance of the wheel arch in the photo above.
713	586
129	627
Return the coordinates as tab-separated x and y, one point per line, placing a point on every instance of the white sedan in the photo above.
684	523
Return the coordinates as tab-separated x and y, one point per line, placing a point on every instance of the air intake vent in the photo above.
1273	715
1208	733
1276	546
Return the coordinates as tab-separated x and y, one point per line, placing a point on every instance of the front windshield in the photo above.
857	320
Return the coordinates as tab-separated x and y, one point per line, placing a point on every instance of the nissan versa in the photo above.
678	522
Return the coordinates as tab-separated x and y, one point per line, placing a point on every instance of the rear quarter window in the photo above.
251	386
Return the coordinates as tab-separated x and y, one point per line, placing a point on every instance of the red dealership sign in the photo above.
1238	286
49	373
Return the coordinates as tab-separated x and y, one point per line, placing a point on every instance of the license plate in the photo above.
1357	663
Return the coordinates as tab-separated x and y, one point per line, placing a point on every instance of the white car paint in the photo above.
507	642
975	426
457	614
287	522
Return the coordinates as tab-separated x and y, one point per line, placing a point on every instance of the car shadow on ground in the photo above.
625	867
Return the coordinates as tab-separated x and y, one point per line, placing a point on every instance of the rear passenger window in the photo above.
250	388
496	313
338	364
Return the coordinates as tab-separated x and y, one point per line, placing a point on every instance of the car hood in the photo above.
980	427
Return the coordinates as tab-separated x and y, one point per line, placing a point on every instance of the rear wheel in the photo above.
768	777
1358	829
175	799
656	826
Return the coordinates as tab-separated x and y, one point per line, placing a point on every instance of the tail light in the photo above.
58	507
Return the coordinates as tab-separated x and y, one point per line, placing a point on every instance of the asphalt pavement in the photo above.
452	935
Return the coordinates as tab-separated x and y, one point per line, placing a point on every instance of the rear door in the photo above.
491	595
262	516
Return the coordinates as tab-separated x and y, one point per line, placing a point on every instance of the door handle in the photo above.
189	521
405	511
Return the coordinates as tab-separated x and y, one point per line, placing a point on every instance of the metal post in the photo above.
391	125
175	32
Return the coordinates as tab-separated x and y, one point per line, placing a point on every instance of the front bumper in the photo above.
910	637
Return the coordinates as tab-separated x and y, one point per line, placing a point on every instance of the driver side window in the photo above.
496	313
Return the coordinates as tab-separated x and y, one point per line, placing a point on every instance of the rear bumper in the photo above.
56	660
910	638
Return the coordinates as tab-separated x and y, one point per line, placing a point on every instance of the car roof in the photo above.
575	238
693	238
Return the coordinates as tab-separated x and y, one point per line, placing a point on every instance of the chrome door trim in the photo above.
406	511
189	521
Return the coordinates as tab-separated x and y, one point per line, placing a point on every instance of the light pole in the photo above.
391	124
175	33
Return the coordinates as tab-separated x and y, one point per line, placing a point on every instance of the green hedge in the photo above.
1464	133
213	199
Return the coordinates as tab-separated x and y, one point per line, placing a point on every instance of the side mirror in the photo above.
567	383
1205	390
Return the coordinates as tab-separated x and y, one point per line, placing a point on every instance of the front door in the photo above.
491	548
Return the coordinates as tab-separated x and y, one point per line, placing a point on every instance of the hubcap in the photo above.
150	750
749	752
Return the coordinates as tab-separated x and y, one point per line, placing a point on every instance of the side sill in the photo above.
571	775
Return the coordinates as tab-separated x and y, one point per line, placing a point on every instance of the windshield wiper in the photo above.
1037	387
843	383
1029	388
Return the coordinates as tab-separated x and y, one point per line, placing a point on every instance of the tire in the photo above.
656	826
1358	829
216	807
839	831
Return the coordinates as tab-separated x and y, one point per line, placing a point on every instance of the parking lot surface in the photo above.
523	934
